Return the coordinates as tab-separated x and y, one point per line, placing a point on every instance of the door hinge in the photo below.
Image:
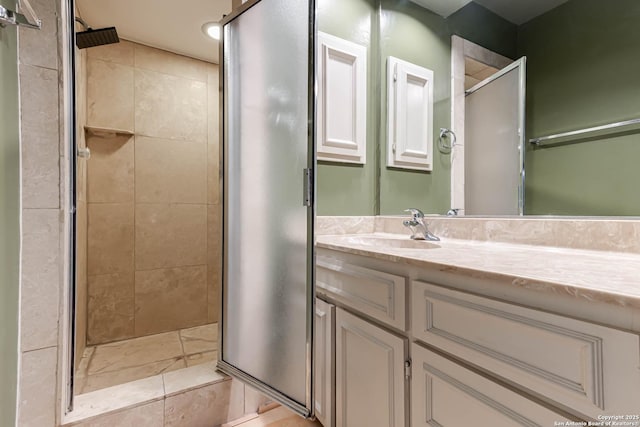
307	198
407	369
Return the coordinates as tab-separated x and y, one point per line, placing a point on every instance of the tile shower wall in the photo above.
152	197
81	203
42	230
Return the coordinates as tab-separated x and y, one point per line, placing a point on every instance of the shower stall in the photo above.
148	249
157	257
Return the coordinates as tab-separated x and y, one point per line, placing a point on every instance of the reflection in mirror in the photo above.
581	72
491	149
583	69
351	188
419	36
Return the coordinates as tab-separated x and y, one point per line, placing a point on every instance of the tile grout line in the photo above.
149	270
135	67
171	359
120	341
87	375
207	231
143	203
184	356
135	217
164	402
38	349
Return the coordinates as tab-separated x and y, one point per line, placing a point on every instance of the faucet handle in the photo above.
416	213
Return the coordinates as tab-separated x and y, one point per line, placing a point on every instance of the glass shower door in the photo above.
268	157
494	146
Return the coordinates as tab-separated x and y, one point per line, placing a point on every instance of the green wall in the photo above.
9	221
345	189
414	34
481	26
583	67
581	71
417	35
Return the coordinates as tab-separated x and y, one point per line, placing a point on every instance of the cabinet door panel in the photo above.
370	379
324	362
410	118
587	369
342	100
445	394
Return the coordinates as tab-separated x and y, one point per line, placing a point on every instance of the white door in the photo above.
324	366
370	374
494	143
268	161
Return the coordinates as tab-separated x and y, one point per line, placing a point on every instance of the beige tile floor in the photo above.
120	362
279	417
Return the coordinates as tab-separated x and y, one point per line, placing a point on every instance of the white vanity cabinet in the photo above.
371	382
473	360
370	374
359	371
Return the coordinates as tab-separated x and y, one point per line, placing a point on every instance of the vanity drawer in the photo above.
446	394
585	368
374	293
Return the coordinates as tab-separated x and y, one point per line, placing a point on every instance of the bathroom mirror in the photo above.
580	76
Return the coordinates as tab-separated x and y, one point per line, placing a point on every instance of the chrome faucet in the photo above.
418	227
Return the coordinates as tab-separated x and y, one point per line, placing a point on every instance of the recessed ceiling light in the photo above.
212	29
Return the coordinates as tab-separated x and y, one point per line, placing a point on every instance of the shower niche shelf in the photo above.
107	132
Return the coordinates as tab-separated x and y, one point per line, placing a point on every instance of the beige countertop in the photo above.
609	277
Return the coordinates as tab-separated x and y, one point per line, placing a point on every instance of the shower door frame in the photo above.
68	65
520	66
306	410
460	49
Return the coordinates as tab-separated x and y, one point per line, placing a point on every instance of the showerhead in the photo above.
93	38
